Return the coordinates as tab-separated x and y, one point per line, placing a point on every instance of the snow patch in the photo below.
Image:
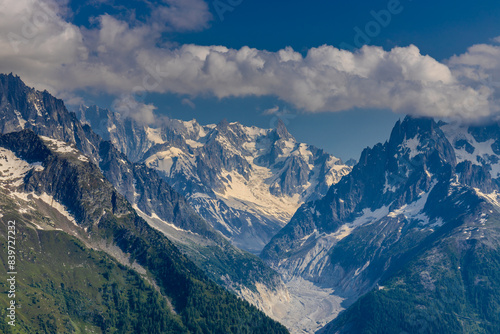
13	169
47	199
253	195
414	210
20	119
387	186
164	160
59	146
411	146
154	135
493	198
155	216
194	144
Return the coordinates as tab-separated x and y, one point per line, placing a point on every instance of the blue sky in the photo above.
440	28
103	50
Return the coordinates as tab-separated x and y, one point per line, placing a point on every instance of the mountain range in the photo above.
404	241
245	181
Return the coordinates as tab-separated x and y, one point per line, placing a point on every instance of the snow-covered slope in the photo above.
245	181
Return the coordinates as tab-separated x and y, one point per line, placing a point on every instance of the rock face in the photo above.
429	186
245	181
23	108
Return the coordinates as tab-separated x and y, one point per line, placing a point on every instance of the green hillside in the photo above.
452	287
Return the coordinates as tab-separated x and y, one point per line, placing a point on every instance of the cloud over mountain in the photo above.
130	59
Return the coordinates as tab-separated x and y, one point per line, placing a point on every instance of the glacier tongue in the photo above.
311	306
302	306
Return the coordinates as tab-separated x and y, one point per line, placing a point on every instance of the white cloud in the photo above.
326	79
126	60
183	15
271	111
128	106
479	69
189	103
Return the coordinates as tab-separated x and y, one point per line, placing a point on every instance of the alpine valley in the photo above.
114	216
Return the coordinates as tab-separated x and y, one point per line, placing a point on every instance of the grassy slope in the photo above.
64	287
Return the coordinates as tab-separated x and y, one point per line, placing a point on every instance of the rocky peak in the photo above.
14	92
25	108
223	125
411	127
281	131
393	174
10	84
228	138
419	142
351	162
221	129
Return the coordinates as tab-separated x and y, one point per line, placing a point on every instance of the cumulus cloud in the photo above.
326	79
126	60
189	103
479	69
